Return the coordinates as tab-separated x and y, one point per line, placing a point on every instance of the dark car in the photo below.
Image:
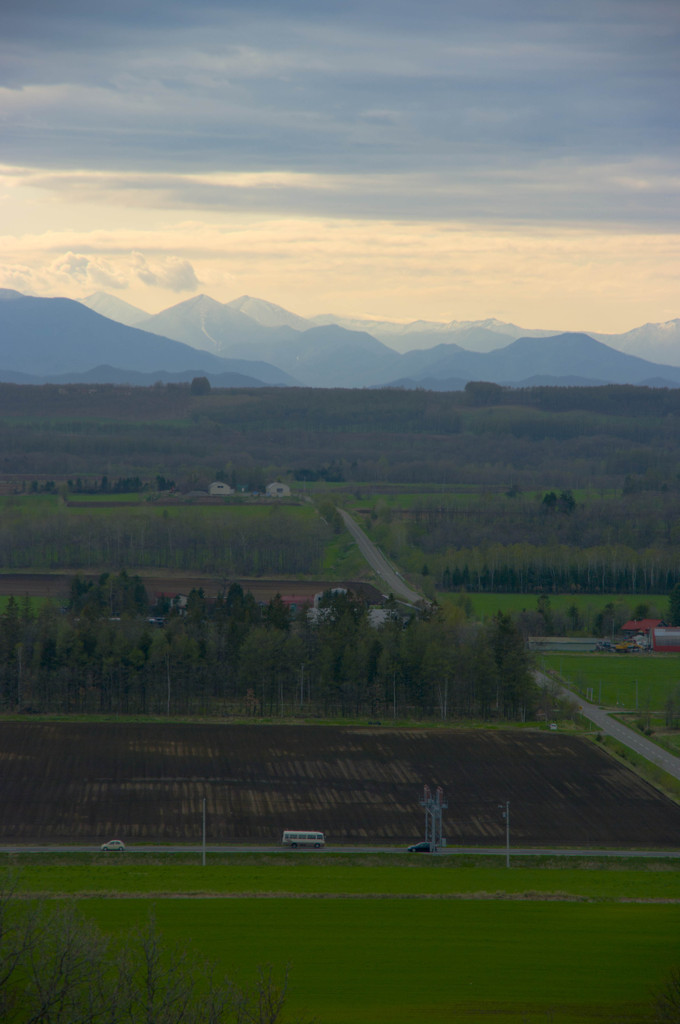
419	848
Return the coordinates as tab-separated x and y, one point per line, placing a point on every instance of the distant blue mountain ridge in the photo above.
58	339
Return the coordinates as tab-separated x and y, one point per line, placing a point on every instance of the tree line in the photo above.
265	541
548	542
535	570
111	653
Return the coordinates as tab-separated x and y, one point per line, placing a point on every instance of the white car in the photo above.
113	846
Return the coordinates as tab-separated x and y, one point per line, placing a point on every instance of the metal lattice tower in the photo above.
434	805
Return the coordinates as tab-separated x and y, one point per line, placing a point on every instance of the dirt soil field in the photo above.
90	781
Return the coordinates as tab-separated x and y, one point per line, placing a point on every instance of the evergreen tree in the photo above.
674	606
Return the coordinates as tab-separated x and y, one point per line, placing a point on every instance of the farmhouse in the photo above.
218	487
640	626
277	490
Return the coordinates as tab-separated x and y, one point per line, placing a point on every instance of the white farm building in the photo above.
277	490
217	487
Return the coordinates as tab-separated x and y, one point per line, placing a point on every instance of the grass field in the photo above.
628	681
34	602
396	961
30	504
382	949
124	497
344	875
405	496
343	560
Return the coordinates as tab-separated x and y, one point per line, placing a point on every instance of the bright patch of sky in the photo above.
444	159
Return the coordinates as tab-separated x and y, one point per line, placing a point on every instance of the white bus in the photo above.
295	838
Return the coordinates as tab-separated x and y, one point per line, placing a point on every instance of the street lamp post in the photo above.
505	813
203	851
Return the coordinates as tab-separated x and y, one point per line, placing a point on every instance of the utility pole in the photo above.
434	805
505	813
203	831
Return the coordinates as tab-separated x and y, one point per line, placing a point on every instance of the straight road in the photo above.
377	561
640	744
633	739
446	851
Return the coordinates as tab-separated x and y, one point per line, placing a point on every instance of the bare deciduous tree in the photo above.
58	968
667	1002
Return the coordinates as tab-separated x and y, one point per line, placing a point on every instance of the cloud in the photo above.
87	270
336	87
346	148
74	273
538	276
171	273
561	191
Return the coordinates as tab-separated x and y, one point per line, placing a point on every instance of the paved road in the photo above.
377	561
449	851
631	737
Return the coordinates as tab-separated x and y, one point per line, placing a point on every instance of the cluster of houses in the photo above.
315	613
276	490
638	635
311	605
653	634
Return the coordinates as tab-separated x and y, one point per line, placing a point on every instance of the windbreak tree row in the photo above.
233	656
151	539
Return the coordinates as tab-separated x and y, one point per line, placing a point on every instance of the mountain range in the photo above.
250	342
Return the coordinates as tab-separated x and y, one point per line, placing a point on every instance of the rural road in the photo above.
633	739
605	723
377	561
448	851
599	717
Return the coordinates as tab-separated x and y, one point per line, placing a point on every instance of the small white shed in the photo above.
217	487
277	490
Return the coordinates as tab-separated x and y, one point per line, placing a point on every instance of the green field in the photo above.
382	942
30	504
396	961
34	602
108	496
342	558
629	681
347	875
388	497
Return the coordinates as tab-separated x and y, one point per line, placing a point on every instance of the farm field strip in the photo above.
570	963
296	878
631	682
145	783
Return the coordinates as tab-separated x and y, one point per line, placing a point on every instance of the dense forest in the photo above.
109	653
486	435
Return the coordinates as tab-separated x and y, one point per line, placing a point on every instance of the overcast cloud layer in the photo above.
351	122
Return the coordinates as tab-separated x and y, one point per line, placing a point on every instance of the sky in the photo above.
401	159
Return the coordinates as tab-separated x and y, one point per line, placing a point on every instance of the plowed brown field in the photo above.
87	781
